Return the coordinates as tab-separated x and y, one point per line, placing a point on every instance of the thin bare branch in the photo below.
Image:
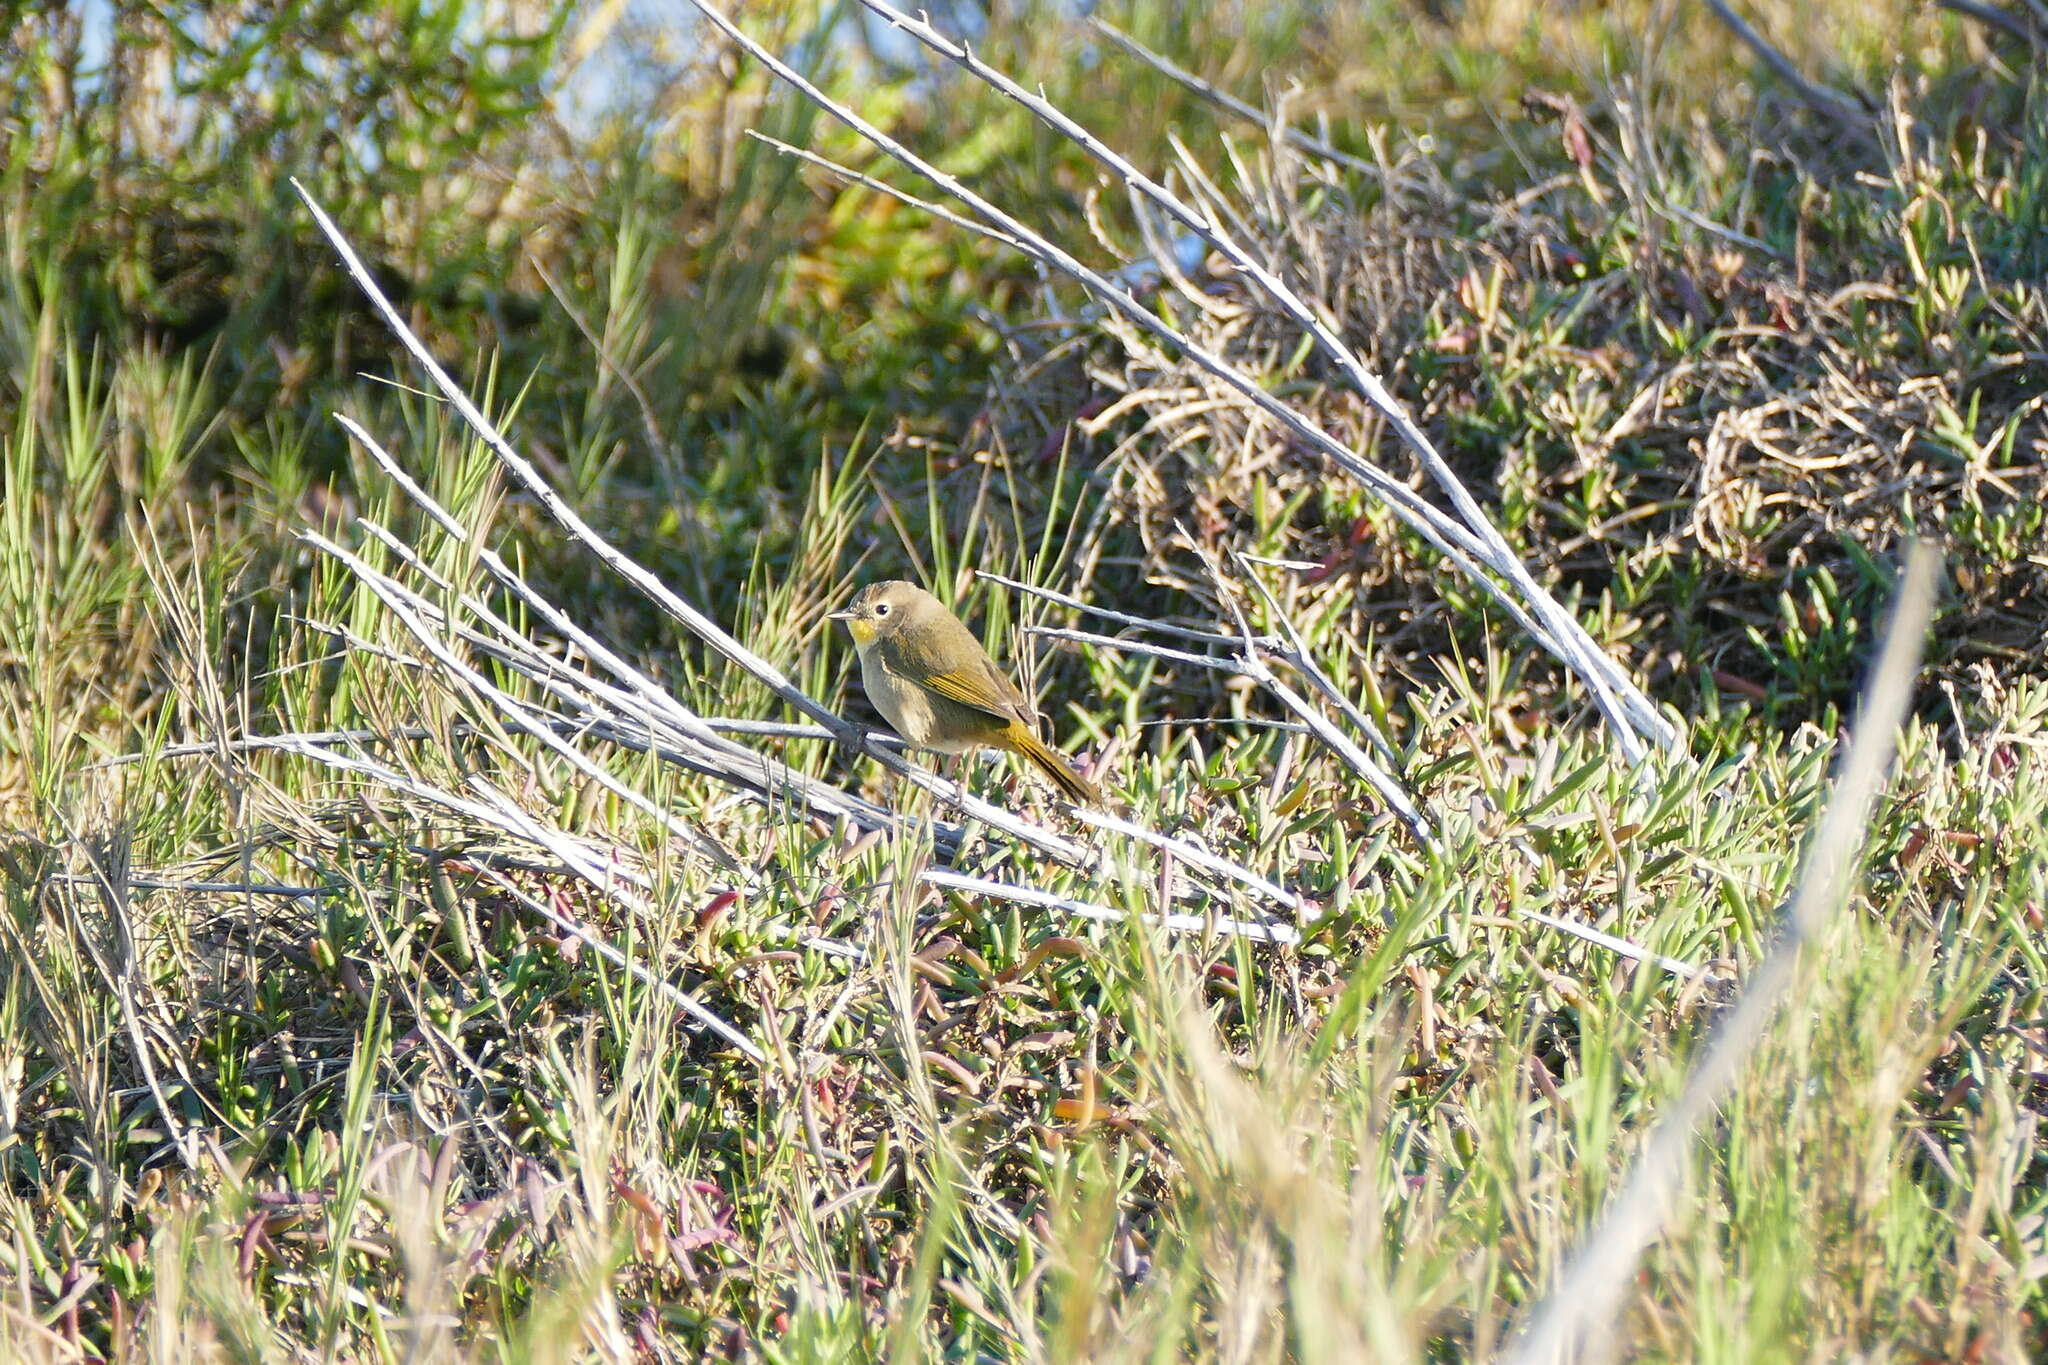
1107	614
1826	99
1223	99
1194	855
949	880
2005	21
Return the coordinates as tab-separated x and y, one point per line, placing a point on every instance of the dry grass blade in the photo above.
721	725
1575	1322
1620	947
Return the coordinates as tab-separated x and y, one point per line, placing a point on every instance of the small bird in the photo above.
932	680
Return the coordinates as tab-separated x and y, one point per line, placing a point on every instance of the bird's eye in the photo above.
882	610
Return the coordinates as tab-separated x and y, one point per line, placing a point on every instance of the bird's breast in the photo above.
909	707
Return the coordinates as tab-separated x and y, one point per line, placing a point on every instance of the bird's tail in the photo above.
1049	761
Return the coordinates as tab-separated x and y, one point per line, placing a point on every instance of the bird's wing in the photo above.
984	689
979	684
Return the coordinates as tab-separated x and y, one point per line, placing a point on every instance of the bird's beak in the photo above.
843	614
